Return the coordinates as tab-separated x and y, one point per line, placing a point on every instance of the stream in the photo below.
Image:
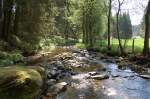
121	83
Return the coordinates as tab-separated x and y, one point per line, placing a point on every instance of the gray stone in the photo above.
115	75
49	76
51	82
54	72
145	76
58	88
100	77
92	73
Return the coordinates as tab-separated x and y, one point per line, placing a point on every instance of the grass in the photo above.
102	45
139	43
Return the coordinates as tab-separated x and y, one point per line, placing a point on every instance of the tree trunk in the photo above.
147	31
66	32
16	20
91	35
118	34
125	43
1	9
109	17
6	29
86	29
83	27
133	42
1	17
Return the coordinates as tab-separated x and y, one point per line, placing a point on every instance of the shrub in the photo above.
10	58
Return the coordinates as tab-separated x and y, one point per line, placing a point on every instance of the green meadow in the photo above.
102	45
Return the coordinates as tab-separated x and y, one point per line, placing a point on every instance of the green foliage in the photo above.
80	46
7	59
93	20
24	27
3	45
125	26
38	24
58	40
44	24
51	42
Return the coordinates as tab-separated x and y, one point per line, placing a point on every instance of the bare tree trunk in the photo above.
147	31
125	43
133	43
83	27
118	34
16	20
66	34
6	29
109	17
87	29
1	17
91	35
1	9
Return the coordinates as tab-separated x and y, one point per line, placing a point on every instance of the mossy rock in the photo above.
19	83
39	69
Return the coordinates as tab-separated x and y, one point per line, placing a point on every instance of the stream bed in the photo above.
120	83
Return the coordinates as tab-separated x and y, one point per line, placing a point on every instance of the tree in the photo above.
1	16
125	26
147	30
1	9
92	21
8	14
109	23
24	23
118	31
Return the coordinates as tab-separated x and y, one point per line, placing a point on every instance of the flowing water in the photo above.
122	84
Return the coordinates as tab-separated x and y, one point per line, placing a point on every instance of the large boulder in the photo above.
19	83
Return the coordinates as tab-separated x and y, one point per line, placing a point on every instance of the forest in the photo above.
74	49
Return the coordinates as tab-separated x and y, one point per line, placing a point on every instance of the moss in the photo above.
39	69
19	83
